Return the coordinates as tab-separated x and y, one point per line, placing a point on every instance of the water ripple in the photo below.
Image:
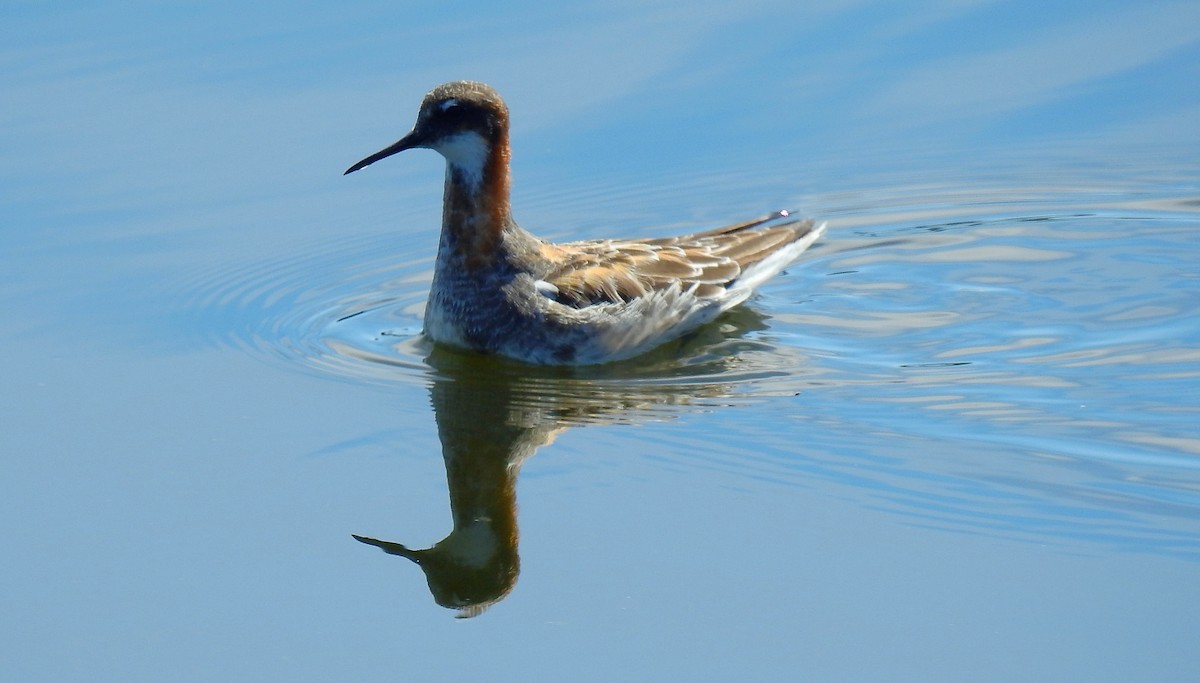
1051	328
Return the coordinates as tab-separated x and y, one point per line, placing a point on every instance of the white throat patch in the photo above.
467	153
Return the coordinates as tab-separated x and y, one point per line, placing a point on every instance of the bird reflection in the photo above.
492	414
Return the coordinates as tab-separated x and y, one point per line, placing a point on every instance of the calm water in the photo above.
957	441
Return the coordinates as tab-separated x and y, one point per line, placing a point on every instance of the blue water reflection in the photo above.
956	441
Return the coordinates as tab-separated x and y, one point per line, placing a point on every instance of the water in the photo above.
956	440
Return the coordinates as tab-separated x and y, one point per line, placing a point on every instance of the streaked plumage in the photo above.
499	289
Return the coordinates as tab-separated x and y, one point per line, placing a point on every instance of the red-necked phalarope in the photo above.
499	289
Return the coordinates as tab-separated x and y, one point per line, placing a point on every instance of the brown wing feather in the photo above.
612	271
601	272
750	247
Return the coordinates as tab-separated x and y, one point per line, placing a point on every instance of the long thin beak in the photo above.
407	142
388	546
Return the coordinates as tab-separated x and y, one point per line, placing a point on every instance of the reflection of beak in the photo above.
386	546
407	142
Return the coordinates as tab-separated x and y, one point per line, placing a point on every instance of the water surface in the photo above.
955	441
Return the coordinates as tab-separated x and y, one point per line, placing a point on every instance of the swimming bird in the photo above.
499	289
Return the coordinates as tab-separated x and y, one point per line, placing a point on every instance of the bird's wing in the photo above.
705	263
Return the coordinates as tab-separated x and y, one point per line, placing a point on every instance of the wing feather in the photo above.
705	264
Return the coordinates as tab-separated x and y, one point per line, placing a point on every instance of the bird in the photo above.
499	289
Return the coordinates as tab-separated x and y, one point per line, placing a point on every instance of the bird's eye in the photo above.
448	105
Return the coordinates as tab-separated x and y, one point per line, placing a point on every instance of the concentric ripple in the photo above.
1052	329
951	297
354	313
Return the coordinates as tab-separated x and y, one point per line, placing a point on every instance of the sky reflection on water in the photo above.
956	441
